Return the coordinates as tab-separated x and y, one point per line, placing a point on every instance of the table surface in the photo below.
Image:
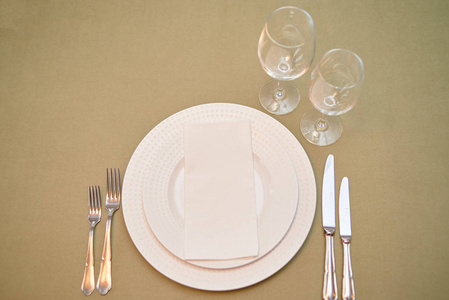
82	82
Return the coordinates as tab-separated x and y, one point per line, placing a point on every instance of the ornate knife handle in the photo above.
348	291
104	283
330	276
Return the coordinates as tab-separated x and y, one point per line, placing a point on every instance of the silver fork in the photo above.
104	283
94	203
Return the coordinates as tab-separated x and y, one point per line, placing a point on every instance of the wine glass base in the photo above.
320	129
281	103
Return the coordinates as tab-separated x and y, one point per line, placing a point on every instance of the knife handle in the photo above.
330	276
348	291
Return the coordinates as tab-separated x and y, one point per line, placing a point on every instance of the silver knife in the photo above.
328	210
348	292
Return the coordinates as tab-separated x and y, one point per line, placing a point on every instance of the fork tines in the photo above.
94	200
113	184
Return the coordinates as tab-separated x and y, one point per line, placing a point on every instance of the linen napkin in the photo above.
220	218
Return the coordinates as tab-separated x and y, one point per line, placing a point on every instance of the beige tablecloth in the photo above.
82	82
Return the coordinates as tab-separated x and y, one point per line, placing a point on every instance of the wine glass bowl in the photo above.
335	82
334	89
286	50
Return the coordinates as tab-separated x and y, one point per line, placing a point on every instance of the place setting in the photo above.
221	196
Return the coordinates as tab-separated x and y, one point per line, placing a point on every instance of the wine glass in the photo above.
334	89
286	49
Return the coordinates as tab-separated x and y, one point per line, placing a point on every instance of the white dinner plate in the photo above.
207	278
276	194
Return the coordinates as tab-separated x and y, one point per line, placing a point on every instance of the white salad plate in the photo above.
276	190
186	273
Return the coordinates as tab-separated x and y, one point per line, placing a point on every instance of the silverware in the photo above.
348	292
94	203
328	216
104	283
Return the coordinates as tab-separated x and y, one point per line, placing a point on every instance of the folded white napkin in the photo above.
220	218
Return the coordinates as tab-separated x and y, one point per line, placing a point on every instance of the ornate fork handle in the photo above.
104	283
88	284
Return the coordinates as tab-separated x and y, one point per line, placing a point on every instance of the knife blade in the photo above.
345	211
328	196
348	292
328	219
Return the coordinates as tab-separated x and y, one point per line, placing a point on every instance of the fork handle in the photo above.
88	284
104	283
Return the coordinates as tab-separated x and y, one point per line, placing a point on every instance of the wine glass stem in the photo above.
321	124
279	93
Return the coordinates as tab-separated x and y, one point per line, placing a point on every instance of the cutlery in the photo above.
348	292
328	216
94	203
104	283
